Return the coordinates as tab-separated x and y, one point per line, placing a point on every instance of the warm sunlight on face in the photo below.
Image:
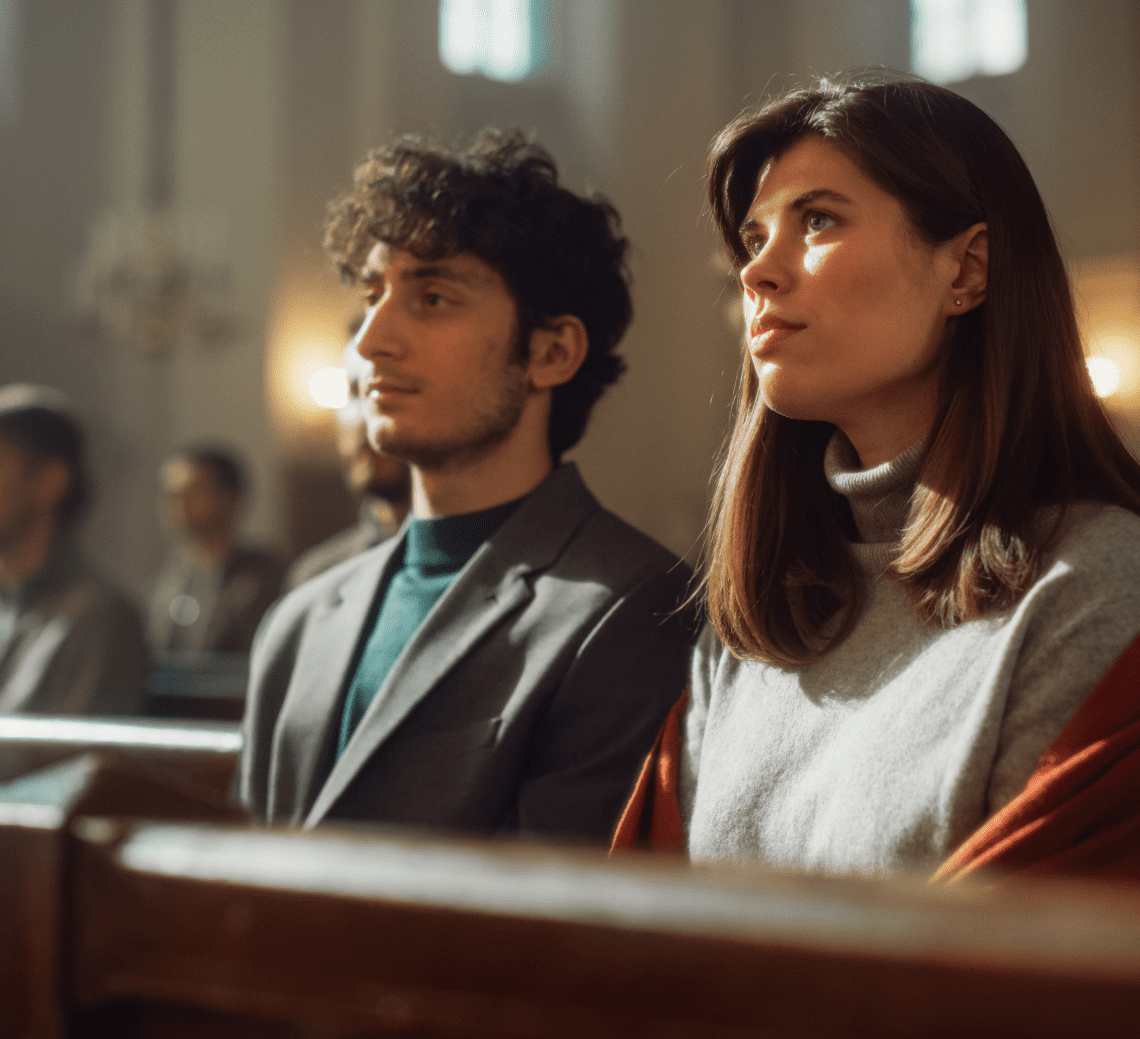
845	306
443	379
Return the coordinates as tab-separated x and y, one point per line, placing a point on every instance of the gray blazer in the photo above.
524	703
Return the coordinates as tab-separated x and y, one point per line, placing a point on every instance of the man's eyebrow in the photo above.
437	270
425	271
801	202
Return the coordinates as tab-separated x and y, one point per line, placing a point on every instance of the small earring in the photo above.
957	302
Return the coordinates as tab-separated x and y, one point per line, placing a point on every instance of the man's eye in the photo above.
433	299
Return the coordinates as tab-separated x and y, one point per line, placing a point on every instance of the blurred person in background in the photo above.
70	642
213	590
382	483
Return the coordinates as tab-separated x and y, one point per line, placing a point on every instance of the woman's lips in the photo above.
766	332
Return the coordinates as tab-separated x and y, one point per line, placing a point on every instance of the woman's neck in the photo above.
879	497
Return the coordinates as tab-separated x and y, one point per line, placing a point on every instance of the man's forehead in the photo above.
387	261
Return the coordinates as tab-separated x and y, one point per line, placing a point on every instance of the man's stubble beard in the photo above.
490	425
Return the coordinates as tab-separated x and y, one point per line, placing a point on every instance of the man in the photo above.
503	665
212	591
382	483
70	643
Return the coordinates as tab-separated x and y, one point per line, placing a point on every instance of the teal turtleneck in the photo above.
433	553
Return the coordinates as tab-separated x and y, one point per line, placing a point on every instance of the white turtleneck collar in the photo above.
879	498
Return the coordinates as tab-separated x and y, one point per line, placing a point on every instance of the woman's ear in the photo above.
557	350
971	251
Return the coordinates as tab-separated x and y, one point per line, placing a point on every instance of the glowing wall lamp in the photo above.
1105	375
1107	295
328	387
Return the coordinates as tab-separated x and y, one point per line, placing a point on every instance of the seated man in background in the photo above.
504	665
70	643
381	483
212	591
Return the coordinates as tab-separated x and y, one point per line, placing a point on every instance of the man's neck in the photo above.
26	556
504	475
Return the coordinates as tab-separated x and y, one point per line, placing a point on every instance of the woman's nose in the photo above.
763	274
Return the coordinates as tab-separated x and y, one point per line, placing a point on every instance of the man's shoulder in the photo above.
615	546
566	509
588	559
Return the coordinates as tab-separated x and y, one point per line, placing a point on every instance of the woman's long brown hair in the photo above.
1018	425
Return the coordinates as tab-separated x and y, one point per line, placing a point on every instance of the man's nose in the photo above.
381	333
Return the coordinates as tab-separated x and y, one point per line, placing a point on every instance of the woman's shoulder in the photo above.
1091	566
1096	538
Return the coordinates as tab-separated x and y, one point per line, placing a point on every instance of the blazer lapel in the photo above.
311	711
490	587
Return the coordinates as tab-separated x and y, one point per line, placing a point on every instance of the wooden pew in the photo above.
204	753
195	685
173	929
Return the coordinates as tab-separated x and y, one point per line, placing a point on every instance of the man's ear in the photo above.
50	483
557	350
971	251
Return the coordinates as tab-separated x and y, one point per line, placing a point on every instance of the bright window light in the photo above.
1105	375
952	40
329	387
494	37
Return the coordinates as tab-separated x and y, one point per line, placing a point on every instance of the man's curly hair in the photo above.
500	200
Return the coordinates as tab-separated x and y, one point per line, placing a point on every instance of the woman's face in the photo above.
845	306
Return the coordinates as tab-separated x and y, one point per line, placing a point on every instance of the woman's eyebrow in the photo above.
799	203
808	197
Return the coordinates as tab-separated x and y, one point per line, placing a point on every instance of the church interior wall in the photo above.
274	100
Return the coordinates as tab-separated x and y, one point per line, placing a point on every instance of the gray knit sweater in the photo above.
893	747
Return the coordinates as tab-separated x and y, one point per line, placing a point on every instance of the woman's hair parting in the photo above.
1018	426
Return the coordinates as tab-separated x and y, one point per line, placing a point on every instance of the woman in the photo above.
925	547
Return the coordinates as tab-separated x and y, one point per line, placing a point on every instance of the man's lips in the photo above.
382	387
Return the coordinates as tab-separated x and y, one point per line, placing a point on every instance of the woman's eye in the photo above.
752	247
818	221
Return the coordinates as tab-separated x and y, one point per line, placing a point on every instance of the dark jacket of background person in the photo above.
70	643
216	613
368	532
523	704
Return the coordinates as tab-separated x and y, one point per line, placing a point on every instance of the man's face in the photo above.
443	387
18	505
366	471
192	504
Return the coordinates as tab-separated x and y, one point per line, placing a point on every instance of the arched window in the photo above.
494	37
952	40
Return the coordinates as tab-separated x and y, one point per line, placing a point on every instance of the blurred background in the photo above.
164	167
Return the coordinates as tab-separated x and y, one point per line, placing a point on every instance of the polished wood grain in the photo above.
140	905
